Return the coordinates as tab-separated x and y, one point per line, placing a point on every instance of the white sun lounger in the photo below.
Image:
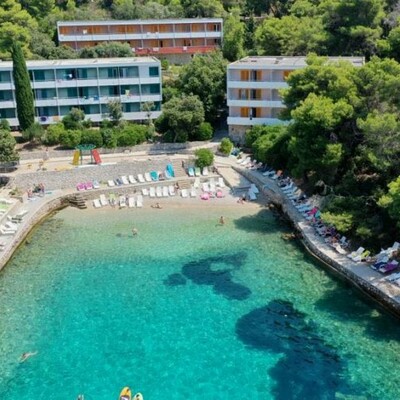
196	183
159	192
171	190
122	201
356	253
5	201
124	180
139	201
193	192
246	161
221	182
145	192
213	189
111	183
141	178
103	200
254	188
205	171
184	193
6	232
147	177
252	195
21	213
131	202
132	179
165	192
96	203
206	187
152	192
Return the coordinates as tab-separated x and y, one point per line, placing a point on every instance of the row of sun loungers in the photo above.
196	171
382	262
11	226
121	201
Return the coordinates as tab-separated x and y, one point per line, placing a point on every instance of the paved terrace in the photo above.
359	274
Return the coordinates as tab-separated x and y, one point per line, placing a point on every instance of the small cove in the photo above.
187	308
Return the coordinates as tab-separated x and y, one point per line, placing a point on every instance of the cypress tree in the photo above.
23	90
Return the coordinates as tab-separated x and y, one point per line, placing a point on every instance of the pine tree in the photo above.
23	90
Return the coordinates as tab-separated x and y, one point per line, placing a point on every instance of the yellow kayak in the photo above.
125	394
138	396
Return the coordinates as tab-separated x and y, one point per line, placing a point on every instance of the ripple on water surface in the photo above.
186	309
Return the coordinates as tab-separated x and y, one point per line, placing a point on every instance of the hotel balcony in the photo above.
174	50
255	121
7	104
106	37
257	84
256	103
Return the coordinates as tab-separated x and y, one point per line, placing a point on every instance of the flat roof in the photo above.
286	61
85	61
138	21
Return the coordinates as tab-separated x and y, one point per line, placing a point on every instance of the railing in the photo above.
174	50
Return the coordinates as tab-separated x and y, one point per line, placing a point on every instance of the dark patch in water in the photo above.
200	272
310	367
118	235
175	280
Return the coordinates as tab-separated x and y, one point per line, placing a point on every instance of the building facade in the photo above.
165	38
59	85
253	86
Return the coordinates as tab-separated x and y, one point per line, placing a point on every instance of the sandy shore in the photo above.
371	283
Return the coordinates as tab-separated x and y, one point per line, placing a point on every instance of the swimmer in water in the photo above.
25	356
134	231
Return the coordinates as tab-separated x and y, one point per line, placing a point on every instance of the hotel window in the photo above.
46	111
105	73
7	113
45	94
153	71
5	76
217	27
6	95
151	89
128	72
131	107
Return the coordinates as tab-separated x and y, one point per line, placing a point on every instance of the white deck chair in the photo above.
221	182
145	192
193	192
152	192
206	187
131	202
252	195
356	253
246	161
196	183
171	190
147	177
132	179
122	201
111	183
125	180
141	178
139	201
254	188
205	171
96	203
159	192
103	200
165	192
213	189
6	232
184	193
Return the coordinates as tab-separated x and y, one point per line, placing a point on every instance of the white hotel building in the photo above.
253	86
174	39
88	84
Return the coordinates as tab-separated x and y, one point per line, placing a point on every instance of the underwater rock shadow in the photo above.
175	280
310	368
200	273
380	327
264	221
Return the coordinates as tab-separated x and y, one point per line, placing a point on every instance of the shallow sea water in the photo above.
185	310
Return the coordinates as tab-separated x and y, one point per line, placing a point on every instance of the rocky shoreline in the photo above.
359	275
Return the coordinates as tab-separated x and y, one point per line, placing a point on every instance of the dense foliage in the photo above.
8	152
343	141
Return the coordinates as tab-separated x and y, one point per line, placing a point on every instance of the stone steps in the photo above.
78	200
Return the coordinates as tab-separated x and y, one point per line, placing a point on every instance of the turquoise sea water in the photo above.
185	310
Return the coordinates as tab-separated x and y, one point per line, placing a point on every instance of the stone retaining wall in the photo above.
316	248
149	148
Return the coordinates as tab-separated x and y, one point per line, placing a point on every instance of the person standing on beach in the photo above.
222	220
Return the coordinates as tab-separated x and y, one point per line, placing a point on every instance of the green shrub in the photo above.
131	135
53	133
205	132
109	137
4	125
74	119
70	138
34	132
204	158
91	136
165	65
226	146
